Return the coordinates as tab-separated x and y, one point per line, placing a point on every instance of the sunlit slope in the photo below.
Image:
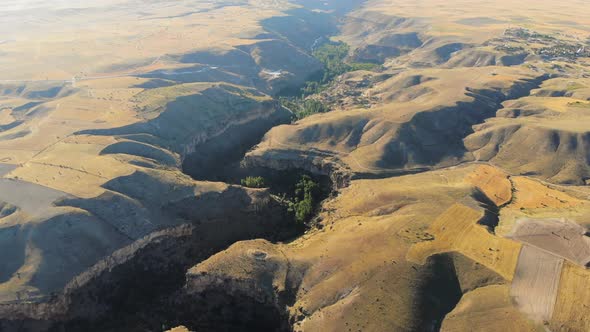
486	101
90	39
98	190
478	21
454	86
100	104
408	132
544	135
406	232
460	159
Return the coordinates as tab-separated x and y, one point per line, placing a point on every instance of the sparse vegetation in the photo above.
363	66
254	182
332	56
572	86
301	199
579	104
302	108
564	50
527	34
508	48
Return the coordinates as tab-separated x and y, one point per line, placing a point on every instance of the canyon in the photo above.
451	155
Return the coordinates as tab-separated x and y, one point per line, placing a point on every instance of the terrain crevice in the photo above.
294	165
129	290
204	129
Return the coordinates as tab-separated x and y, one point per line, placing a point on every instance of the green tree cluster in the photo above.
302	108
253	182
333	56
306	194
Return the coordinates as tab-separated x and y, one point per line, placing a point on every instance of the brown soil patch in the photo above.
535	283
560	237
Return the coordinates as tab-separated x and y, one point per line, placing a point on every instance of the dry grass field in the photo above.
494	183
120	37
477	21
398	227
490	308
78	66
460	158
573	300
457	230
463	82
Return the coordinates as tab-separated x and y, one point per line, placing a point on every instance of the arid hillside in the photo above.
295	165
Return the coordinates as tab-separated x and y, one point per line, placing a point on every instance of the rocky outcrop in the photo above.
205	157
183	123
164	221
137	277
316	162
262	277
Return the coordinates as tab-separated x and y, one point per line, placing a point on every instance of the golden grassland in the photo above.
406	220
480	20
365	265
74	166
374	129
457	230
493	182
533	198
490	307
120	38
396	226
573	300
